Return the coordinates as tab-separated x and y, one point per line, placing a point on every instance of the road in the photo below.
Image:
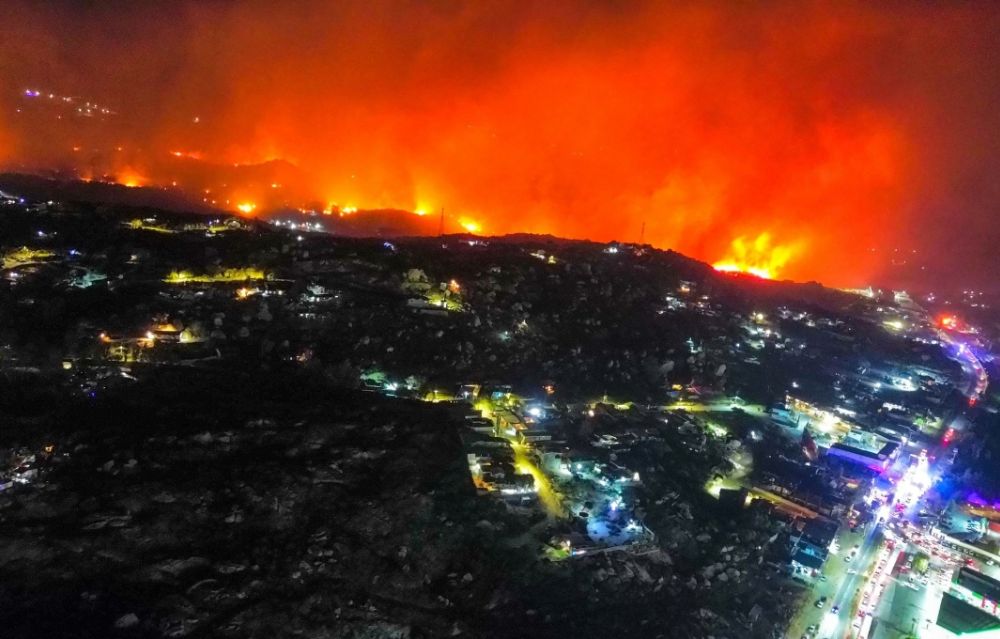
848	593
546	494
976	378
840	585
906	607
900	611
717	406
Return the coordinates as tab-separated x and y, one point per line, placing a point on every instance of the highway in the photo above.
843	579
900	611
848	593
907	608
976	378
900	608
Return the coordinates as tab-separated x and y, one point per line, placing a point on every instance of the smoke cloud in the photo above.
836	132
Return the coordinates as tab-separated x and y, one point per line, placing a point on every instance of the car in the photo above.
847	558
821	602
835	609
852	571
822	577
813	628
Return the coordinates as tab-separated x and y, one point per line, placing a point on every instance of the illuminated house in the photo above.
509	423
811	545
877	461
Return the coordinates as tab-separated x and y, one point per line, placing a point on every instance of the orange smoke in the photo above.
784	126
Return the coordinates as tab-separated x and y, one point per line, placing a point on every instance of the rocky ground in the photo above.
353	517
232	504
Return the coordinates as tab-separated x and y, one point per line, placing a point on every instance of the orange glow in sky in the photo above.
780	139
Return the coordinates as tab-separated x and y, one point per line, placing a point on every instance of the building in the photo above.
876	461
958	618
811	541
509	423
977	589
969	609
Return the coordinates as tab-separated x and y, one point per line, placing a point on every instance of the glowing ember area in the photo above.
246	207
191	155
470	225
681	125
131	179
757	257
948	322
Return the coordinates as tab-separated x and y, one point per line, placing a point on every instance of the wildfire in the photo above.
470	225
130	178
641	127
756	257
948	322
191	155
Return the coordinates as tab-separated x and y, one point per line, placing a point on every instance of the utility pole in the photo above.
642	233
441	223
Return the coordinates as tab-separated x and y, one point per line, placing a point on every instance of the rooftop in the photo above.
962	618
978	583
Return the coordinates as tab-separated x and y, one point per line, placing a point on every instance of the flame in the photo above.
130	178
246	207
191	155
470	225
647	124
757	257
948	322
